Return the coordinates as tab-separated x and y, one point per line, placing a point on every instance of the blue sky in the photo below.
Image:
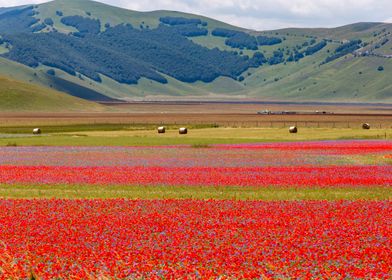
264	14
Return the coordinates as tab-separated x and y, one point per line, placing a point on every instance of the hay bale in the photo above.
183	130
37	131
293	129
366	126
161	129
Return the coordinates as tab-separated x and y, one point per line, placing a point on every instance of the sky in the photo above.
264	14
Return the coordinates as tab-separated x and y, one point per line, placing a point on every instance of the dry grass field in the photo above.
208	123
251	134
224	115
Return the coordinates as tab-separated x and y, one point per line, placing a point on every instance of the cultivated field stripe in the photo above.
199	193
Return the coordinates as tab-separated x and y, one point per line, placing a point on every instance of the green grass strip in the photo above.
112	135
170	192
81	140
94	127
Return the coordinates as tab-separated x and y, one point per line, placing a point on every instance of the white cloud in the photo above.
11	3
265	14
270	14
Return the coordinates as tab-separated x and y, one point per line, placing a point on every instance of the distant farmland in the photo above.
220	114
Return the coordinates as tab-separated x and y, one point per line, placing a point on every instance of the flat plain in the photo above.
208	123
226	200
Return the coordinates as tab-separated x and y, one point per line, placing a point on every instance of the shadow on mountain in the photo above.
79	91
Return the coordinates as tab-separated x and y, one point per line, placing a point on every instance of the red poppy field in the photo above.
314	164
174	239
198	238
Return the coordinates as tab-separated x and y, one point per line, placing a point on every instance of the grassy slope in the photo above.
110	87
112	15
39	77
305	80
19	96
347	79
346	32
339	80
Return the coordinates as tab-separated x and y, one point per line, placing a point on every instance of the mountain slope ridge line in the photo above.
128	55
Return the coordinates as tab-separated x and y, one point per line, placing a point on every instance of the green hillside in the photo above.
19	96
349	79
100	53
112	15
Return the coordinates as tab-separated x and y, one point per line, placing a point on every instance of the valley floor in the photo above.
238	200
147	135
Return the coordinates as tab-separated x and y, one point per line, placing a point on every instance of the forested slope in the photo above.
95	51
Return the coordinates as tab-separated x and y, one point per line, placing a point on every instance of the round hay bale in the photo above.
37	131
183	130
161	129
293	129
366	126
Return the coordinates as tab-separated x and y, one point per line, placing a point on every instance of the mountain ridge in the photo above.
128	55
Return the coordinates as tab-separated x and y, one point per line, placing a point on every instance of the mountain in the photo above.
102	53
24	97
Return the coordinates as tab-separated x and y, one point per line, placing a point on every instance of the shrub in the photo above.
257	60
344	49
51	72
350	46
277	58
242	40
84	25
180	21
386	40
295	57
314	49
189	30
268	41
222	32
237	39
49	21
38	27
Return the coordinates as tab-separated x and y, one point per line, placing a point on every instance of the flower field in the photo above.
314	164
198	239
301	176
243	155
195	239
